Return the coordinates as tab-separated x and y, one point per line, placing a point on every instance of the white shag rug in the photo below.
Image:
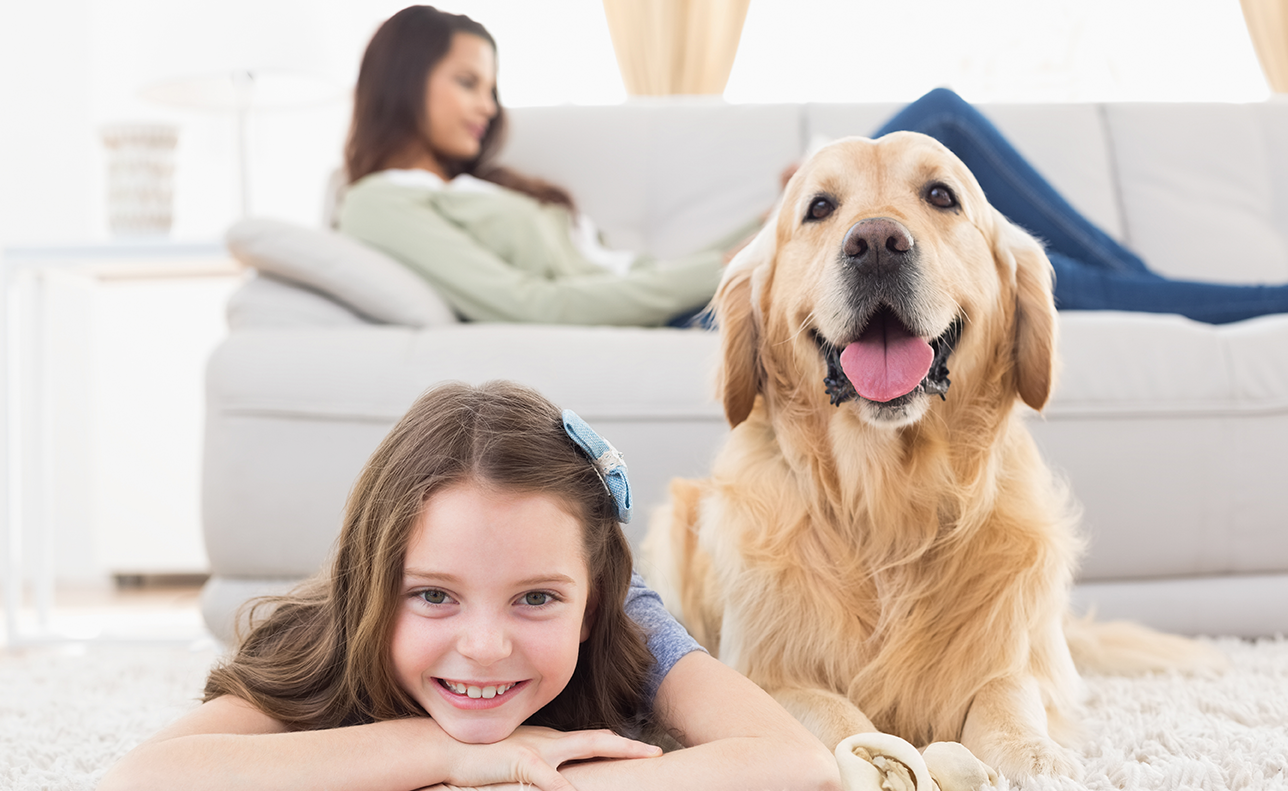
67	713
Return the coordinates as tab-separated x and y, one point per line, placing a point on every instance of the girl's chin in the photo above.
478	732
479	720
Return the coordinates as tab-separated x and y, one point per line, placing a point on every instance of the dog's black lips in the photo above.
839	388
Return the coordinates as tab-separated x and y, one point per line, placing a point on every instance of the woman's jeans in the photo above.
1093	272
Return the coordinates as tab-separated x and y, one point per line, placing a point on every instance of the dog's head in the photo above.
884	269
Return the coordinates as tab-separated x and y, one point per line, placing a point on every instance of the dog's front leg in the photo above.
829	716
872	761
868	760
1006	727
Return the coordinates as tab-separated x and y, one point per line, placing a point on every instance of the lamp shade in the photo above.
240	92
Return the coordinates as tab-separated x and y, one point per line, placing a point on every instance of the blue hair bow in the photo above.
608	462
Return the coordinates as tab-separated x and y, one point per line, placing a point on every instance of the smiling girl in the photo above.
479	626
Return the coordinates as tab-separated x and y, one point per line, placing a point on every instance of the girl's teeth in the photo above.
477	692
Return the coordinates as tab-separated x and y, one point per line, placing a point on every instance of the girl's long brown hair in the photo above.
389	102
320	656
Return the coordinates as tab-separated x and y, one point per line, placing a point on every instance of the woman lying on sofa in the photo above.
503	247
497	245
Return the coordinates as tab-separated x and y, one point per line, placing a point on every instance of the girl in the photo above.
479	626
500	247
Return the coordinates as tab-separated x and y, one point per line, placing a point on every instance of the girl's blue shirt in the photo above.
667	639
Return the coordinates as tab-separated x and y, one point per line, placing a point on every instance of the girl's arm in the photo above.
227	743
737	737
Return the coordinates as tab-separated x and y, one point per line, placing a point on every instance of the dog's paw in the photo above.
955	768
1035	756
881	762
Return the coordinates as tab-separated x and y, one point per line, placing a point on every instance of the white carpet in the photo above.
66	714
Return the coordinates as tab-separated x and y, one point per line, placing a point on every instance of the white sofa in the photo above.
1173	434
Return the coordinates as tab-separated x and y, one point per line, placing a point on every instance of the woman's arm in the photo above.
481	286
227	743
736	737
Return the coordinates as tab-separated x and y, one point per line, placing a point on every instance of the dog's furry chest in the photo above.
866	599
844	589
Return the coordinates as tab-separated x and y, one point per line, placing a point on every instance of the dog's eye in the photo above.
939	195
819	209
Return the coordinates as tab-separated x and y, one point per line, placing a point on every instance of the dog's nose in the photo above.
877	241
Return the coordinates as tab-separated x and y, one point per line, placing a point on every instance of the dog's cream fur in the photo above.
907	567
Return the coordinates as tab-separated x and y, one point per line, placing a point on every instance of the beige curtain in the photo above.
1268	25
675	46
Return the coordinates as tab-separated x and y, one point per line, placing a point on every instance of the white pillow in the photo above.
368	281
265	302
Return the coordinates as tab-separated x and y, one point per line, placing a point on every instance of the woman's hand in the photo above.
532	756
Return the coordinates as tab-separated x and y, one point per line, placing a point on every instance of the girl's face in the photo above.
458	100
493	609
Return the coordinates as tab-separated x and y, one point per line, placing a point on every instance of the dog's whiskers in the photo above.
804	326
958	306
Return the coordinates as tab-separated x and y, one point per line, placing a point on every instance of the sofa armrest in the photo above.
367	282
267	302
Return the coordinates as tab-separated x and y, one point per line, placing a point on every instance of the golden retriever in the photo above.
880	545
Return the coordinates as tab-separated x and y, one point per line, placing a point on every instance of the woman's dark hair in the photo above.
389	102
320	656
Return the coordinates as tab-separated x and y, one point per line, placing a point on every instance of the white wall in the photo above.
47	168
67	68
997	50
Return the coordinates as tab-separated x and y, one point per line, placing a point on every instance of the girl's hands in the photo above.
532	756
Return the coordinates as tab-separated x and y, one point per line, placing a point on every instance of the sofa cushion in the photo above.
1172	435
1198	188
368	281
303	408
374	373
1153	365
1272	117
663	178
1242	605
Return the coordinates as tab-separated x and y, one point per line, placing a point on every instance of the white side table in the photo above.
28	549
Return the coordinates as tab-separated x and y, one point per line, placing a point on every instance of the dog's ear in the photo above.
1035	316
738	317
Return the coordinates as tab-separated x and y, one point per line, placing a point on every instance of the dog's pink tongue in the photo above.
886	361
